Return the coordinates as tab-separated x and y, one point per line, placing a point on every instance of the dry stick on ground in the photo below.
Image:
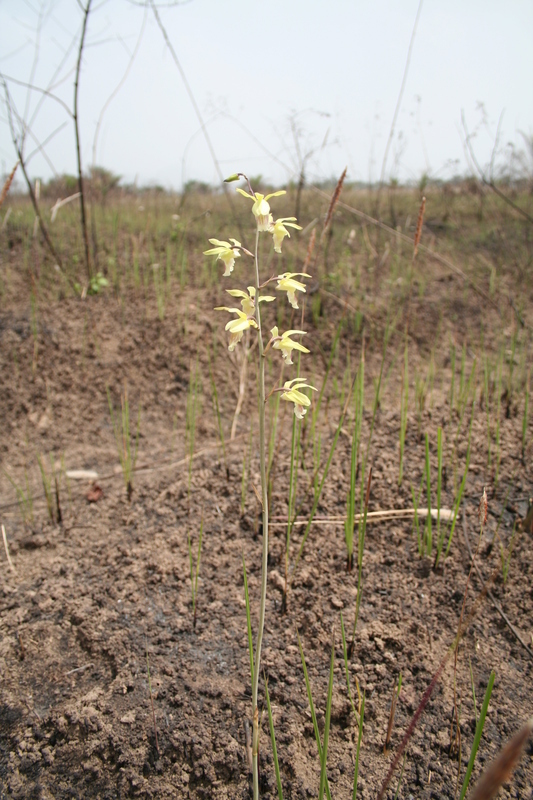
446	514
85	232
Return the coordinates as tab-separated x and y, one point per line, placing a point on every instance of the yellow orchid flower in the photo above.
236	327
261	208
286	283
286	344
248	299
279	230
226	252
294	395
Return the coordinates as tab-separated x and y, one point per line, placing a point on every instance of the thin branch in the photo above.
34	88
489	181
41	145
398	103
78	149
18	148
198	114
119	86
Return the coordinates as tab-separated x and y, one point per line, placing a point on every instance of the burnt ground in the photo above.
96	595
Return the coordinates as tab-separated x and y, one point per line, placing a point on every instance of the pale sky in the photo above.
331	70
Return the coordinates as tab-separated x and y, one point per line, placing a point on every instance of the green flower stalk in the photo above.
292	390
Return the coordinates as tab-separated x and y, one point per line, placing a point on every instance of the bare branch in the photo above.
198	114
41	145
78	148
398	104
119	86
35	204
489	181
34	88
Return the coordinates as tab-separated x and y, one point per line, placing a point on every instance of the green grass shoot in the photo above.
121	428
273	741
525	415
192	412
477	735
50	483
428	531
324	760
24	497
293	483
313	716
404	405
354	460
356	712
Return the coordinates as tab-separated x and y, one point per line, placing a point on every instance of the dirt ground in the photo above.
104	595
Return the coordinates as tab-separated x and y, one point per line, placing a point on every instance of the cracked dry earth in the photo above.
97	599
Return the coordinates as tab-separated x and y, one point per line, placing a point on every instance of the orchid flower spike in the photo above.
279	230
236	327
261	208
294	395
226	252
286	283
248	299
286	344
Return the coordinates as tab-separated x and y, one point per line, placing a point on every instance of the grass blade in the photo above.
358	749
312	707
323	775
477	735
273	740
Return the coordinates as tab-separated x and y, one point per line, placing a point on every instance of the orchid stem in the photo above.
264	496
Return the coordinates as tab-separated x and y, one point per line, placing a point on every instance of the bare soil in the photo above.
97	599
